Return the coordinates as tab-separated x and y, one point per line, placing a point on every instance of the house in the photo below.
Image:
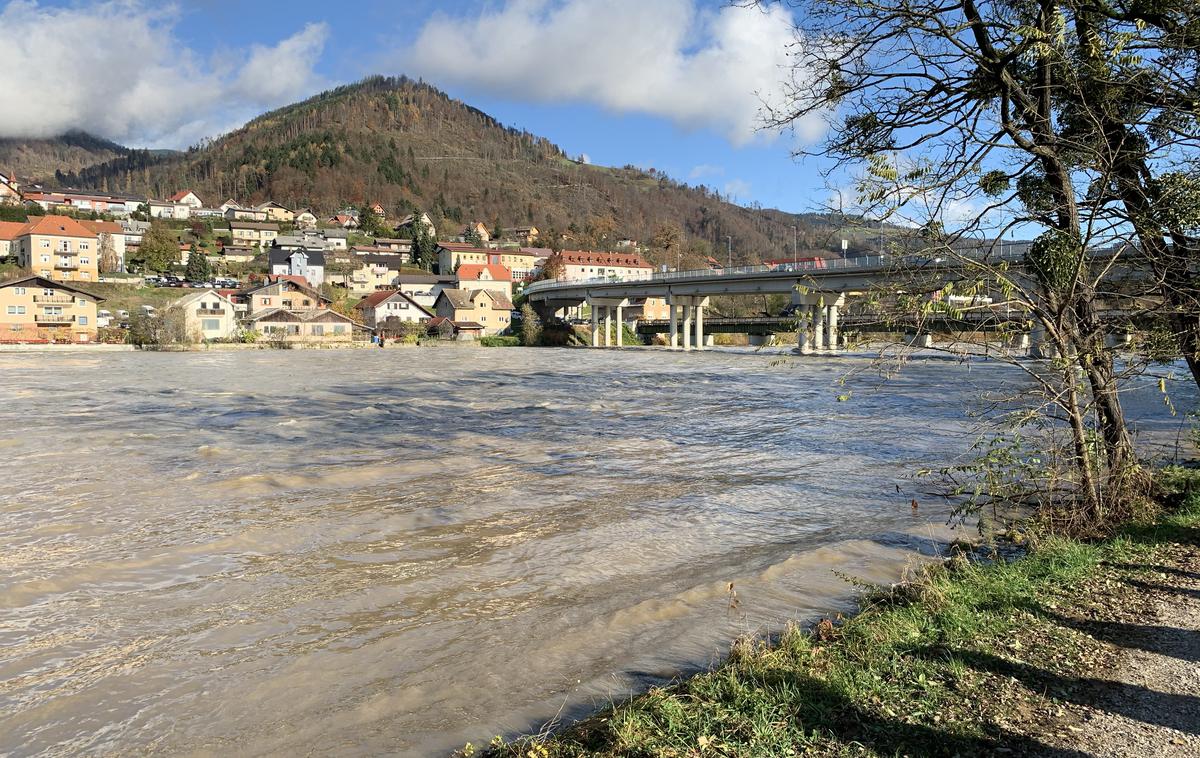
448	329
108	233
424	289
525	235
577	265
230	203
378	210
308	263
188	198
10	190
245	214
305	326
207	315
277	212
133	231
521	262
424	220
490	276
373	272
388	304
39	309
58	248
83	200
289	292
178	211
395	243
8	237
479	230
336	239
488	308
647	309
259	233
344	220
239	254
305	219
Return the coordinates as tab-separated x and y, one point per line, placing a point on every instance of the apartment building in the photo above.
58	248
40	309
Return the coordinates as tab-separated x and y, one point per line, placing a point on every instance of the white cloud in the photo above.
736	188
117	69
701	69
705	169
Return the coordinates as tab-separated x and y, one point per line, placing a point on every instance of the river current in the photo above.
399	551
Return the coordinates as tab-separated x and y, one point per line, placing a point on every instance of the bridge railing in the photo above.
1012	252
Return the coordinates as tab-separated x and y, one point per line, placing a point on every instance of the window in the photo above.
83	320
318	330
339	328
266	301
83	261
83	246
286	303
18	290
64	246
307	303
21	310
49	292
211	324
46	243
12	310
45	259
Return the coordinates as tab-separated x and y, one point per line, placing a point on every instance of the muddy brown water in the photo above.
399	551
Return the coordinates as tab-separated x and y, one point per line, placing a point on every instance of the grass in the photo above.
126	297
933	669
503	340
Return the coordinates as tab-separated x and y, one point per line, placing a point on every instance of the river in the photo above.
398	551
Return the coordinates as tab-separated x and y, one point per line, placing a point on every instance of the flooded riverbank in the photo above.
399	551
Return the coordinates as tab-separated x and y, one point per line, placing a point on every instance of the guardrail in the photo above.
900	262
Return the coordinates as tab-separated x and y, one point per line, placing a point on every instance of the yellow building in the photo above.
259	233
488	308
58	248
521	263
39	309
277	212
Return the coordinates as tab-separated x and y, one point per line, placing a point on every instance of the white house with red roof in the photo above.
387	304
188	198
580	264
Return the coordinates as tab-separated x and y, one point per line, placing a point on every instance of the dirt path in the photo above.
1144	698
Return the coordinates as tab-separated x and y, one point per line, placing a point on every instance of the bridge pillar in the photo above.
1040	345
819	327
687	327
700	345
607	326
831	326
1117	340
595	326
803	316
620	328
674	326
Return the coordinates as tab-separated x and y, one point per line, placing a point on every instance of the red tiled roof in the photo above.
178	196
584	258
461	247
107	227
57	226
375	298
471	272
293	278
10	230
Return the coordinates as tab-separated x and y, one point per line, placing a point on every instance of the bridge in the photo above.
818	290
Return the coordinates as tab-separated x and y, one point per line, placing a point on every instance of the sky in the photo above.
676	85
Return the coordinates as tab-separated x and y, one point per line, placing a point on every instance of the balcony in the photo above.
53	318
210	311
66	265
54	299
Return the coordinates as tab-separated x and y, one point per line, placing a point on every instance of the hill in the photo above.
40	159
407	145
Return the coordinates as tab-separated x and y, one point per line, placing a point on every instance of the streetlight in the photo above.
729	239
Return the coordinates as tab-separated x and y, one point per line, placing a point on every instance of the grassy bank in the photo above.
977	656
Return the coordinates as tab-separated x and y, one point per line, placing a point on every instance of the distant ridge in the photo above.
406	144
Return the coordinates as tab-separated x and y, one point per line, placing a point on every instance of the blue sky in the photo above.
670	84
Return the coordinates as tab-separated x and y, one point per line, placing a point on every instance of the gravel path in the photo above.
1145	700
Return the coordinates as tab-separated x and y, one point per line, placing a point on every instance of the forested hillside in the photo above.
407	145
40	158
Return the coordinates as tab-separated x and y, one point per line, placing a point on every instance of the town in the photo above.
266	273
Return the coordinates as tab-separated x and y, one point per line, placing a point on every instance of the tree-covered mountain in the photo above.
407	145
39	159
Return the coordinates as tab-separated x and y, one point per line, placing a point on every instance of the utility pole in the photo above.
729	239
796	246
